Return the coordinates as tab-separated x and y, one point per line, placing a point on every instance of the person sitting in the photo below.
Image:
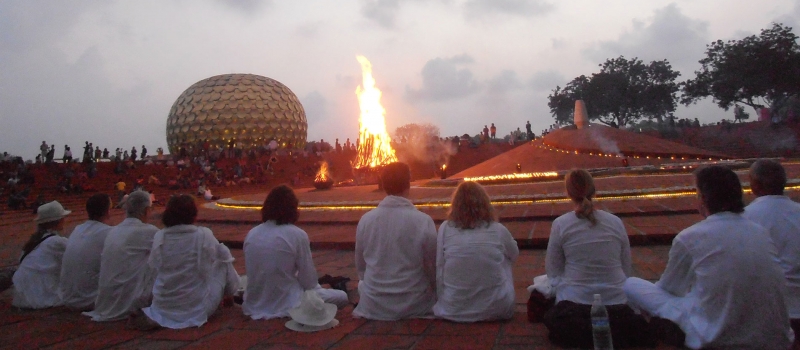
126	280
37	277
80	268
722	287
208	196
194	270
474	256
781	217
278	261
395	254
16	200
589	253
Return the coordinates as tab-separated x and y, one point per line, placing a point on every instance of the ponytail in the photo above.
586	211
580	188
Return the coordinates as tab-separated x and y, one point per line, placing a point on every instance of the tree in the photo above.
623	92
757	71
416	132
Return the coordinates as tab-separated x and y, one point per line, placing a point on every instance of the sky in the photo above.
108	71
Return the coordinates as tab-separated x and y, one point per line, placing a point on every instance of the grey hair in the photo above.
770	175
137	203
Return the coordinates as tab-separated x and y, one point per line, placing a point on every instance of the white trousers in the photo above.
332	296
653	300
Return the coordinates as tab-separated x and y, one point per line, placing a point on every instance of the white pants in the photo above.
333	296
653	300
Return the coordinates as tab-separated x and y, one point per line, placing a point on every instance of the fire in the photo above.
374	147
322	174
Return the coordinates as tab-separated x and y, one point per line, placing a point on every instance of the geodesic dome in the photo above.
248	109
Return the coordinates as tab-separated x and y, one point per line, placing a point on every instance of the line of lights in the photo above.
684	191
513	176
619	155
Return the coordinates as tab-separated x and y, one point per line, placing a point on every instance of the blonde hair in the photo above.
580	188
470	207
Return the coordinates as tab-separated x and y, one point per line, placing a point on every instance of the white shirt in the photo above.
583	260
725	269
781	217
473	273
126	280
36	279
185	292
395	261
279	269
80	268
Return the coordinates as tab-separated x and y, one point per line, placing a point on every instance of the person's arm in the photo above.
361	264
677	277
429	251
625	253
555	259
512	250
306	273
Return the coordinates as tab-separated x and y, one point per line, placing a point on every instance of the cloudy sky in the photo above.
109	71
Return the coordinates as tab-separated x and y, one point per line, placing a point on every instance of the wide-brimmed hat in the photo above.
50	212
313	314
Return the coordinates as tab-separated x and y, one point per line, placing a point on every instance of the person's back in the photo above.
80	267
126	281
734	283
395	255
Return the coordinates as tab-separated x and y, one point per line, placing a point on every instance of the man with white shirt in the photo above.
80	266
126	280
781	217
395	254
722	285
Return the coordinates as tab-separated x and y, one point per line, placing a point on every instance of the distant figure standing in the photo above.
67	154
486	133
105	153
493	129
144	151
44	148
133	153
50	154
97	152
528	130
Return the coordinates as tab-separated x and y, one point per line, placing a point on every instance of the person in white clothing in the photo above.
194	270
589	253
126	280
474	256
395	254
781	217
278	261
36	279
80	268
722	285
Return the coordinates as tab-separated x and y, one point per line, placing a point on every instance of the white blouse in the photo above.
583	260
36	279
473	273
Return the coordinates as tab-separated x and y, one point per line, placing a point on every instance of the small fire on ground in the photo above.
322	174
374	147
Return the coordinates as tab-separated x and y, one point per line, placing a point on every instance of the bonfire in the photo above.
374	149
323	180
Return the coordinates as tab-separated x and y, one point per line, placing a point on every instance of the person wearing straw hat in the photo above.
36	279
80	268
312	315
126	280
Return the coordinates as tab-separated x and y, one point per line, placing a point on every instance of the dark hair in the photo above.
580	188
36	237
396	178
720	189
769	175
181	210
97	206
281	206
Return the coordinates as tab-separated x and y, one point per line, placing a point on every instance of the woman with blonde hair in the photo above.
474	255
589	253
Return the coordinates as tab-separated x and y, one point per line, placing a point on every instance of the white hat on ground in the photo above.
313	314
50	212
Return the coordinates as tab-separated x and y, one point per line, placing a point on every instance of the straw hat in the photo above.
50	212
312	314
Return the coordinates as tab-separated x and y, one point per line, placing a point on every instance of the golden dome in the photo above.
250	109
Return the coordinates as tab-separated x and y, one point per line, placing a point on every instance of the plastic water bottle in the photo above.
601	329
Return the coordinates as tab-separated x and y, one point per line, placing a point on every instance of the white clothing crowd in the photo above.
732	279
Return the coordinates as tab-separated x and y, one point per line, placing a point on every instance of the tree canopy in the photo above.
757	71
416	132
623	92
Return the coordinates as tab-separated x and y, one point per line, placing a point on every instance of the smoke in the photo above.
427	149
773	139
605	144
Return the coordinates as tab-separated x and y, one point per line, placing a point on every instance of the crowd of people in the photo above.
732	279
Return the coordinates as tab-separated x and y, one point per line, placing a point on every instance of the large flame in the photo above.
322	174
374	147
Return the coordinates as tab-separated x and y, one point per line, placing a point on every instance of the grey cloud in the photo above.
25	24
248	7
504	82
383	12
526	8
547	80
315	106
670	35
558	43
309	30
443	79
